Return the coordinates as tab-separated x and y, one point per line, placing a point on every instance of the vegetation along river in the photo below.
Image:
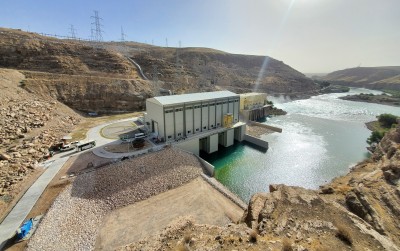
322	138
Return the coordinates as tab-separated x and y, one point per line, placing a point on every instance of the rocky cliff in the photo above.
28	126
359	211
84	76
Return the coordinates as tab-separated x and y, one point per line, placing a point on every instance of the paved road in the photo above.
18	214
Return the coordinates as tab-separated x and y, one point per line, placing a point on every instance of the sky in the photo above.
312	36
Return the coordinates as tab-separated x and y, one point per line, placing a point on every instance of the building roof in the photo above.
249	94
191	97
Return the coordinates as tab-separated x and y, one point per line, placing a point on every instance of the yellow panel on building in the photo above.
228	120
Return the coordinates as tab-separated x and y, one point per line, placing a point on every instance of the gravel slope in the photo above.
72	222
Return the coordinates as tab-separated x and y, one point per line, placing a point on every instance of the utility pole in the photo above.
72	31
123	35
98	36
166	42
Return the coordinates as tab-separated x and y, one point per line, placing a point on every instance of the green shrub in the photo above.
375	137
387	120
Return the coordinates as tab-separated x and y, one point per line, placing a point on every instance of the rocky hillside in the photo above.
380	78
83	76
99	77
359	211
28	126
207	69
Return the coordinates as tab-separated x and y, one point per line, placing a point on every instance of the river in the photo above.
322	138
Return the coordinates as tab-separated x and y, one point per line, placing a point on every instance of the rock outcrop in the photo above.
84	76
28	127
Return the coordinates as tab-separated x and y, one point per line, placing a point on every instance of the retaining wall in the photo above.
273	128
208	168
256	141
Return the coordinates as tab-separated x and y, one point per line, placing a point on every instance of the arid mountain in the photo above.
201	69
99	76
380	78
83	76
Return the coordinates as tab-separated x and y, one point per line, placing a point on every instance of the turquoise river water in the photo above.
322	138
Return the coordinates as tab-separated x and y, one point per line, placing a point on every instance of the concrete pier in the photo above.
256	141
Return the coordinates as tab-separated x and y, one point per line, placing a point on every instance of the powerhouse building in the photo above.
200	121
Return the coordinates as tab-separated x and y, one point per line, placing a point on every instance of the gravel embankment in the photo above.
257	131
74	219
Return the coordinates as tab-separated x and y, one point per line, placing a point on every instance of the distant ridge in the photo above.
380	78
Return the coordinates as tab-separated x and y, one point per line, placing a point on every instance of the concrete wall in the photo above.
190	145
204	117
256	141
236	111
189	120
226	138
197	118
240	132
169	124
179	132
155	113
212	143
273	128
212	116
218	111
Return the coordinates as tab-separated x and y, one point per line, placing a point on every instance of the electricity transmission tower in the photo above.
123	35
98	36
72	31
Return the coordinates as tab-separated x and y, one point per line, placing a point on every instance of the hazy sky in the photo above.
309	35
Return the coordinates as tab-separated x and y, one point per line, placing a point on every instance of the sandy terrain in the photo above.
196	198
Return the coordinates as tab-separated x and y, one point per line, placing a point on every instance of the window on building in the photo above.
197	129
189	108
212	125
189	131
218	124
179	134
205	127
170	137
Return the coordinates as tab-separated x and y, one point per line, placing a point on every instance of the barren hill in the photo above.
83	76
99	77
202	68
385	77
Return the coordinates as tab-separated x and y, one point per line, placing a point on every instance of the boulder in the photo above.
4	156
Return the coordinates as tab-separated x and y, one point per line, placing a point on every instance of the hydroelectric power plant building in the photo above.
196	121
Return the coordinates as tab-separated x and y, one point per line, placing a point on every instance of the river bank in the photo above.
382	99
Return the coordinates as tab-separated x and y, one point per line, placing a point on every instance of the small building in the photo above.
198	121
253	106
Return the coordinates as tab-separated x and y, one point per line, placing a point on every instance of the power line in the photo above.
98	35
